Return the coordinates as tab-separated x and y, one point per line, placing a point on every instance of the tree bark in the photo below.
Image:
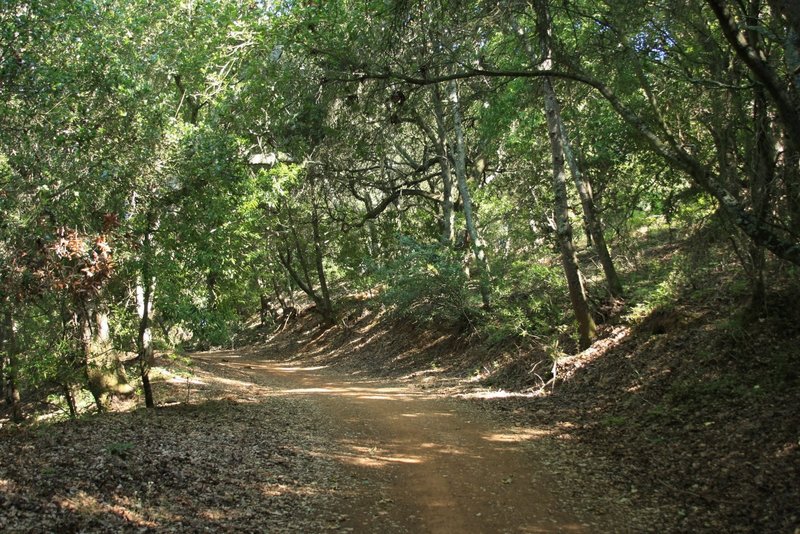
327	311
144	340
12	370
569	258
478	248
105	373
593	223
448	211
751	54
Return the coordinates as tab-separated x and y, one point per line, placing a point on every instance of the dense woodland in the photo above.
174	173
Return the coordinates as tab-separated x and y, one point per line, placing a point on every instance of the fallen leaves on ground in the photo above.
214	465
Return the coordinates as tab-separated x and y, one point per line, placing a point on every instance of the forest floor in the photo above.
686	421
246	442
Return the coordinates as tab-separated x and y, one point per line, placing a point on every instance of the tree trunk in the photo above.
373	241
211	289
85	333
144	340
593	223
448	211
12	369
762	174
105	373
569	258
791	184
478	248
3	355
327	311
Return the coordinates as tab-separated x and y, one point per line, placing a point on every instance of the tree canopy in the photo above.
172	170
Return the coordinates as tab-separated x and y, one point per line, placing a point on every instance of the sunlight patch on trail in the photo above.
298	369
518	435
497	394
363	456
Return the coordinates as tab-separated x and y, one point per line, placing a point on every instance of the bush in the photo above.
427	284
530	300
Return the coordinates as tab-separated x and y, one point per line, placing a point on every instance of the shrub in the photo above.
427	284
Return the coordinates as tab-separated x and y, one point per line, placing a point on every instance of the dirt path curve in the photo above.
423	463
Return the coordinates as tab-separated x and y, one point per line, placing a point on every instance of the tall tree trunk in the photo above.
12	369
593	223
85	332
144	339
327	311
3	354
569	258
594	227
211	289
105	372
448	211
478	248
791	184
762	174
372	231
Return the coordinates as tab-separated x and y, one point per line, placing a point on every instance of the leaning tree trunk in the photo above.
478	248
595	227
569	257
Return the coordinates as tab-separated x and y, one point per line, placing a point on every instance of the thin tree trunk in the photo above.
791	184
86	334
327	311
144	340
12	370
762	174
372	231
3	356
569	258
211	289
448	211
593	223
478	249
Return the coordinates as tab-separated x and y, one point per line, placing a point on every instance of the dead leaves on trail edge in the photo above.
215	466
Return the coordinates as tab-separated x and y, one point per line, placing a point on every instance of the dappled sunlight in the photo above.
373	457
85	504
384	393
426	414
278	490
361	342
518	435
497	394
184	380
231	382
298	369
567	366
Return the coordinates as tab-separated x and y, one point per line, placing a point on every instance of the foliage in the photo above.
234	158
529	303
428	286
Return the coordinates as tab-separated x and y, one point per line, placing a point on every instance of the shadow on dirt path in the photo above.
422	463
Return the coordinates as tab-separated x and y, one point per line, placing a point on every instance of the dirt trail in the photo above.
422	463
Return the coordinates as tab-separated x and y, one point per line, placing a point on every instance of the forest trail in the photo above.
420	463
